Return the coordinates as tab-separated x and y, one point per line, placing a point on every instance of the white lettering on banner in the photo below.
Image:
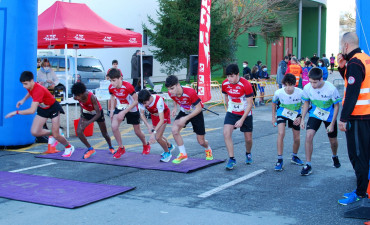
51	37
201	91
107	39
79	37
132	40
201	67
201	78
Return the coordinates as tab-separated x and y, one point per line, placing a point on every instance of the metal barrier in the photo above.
217	97
270	86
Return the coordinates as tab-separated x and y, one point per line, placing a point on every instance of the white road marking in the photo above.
33	167
231	183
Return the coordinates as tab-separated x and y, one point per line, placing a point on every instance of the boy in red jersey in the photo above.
190	111
125	108
91	111
47	107
239	99
160	115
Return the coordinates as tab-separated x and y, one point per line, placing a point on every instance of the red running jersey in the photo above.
124	94
41	95
88	105
237	94
188	100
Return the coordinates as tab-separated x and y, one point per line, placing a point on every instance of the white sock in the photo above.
182	149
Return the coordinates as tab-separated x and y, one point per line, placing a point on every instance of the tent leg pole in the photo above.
67	88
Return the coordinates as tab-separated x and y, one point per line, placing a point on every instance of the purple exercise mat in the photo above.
137	160
54	191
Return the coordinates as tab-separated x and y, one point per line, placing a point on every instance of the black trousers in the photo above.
358	145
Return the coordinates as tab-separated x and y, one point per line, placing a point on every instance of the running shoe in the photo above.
89	153
230	164
52	141
296	160
181	157
336	162
68	151
120	151
306	170
353	197
112	150
209	155
146	149
346	195
279	165
166	157
248	159
171	148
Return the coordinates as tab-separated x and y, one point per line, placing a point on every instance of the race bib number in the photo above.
89	112
122	106
236	106
321	114
290	114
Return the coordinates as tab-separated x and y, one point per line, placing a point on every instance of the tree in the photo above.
176	34
347	22
248	14
271	31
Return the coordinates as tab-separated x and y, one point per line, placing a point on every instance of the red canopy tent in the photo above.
76	24
72	25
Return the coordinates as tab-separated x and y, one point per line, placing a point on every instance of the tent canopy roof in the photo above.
78	26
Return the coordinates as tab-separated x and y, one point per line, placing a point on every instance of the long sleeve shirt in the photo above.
356	70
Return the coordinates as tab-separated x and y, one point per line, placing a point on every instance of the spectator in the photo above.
38	63
332	62
263	77
115	66
138	86
246	71
281	70
259	64
254	77
314	59
295	69
135	68
321	65
326	60
46	75
305	70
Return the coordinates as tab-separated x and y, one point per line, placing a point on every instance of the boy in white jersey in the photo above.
290	99
126	108
160	115
190	111
324	98
239	99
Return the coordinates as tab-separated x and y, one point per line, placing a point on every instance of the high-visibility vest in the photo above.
362	106
296	70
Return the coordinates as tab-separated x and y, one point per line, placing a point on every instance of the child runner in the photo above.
190	111
126	108
91	111
289	110
160	115
239	99
47	107
305	70
324	98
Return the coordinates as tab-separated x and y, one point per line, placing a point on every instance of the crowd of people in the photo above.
290	104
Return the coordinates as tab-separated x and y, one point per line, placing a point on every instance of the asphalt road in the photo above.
200	197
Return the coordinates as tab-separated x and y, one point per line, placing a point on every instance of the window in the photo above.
145	37
252	40
62	64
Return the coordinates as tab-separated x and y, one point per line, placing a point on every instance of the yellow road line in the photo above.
24	150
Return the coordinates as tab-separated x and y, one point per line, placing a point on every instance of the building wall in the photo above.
310	20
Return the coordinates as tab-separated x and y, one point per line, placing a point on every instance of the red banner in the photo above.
204	55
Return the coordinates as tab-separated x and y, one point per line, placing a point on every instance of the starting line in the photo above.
231	183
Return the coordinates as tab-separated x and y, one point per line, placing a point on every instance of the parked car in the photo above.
90	70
